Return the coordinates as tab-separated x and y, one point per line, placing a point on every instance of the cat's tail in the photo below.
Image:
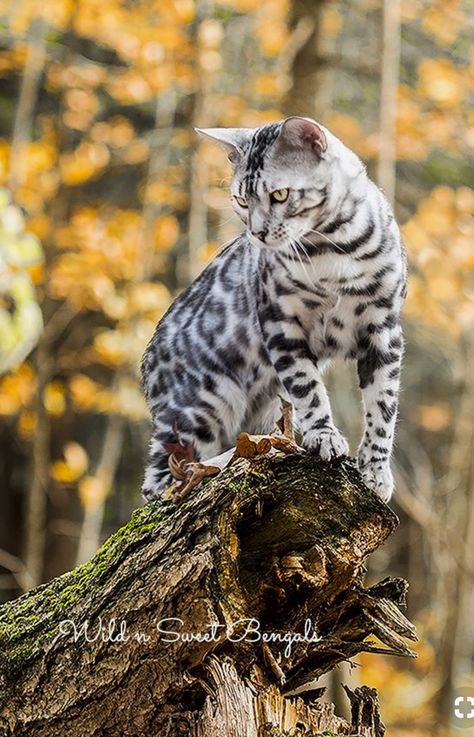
157	473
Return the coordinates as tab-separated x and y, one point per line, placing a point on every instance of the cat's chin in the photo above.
269	245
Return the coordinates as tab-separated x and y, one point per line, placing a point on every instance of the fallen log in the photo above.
201	619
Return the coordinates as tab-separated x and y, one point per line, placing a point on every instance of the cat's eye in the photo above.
241	201
279	195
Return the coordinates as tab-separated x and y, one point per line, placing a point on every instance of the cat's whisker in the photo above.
295	249
293	252
323	235
297	259
306	254
232	217
305	251
224	245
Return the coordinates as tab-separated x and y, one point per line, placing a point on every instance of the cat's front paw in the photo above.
327	443
379	478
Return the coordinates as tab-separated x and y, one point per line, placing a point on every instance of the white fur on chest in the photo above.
331	315
326	271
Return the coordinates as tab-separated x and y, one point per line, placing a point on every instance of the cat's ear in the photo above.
233	140
303	133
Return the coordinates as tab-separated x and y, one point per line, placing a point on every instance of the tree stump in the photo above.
269	550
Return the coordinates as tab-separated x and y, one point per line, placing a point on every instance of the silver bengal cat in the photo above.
317	274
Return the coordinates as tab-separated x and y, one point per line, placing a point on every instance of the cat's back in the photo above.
207	311
220	284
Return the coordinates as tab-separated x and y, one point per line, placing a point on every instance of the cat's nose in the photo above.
260	234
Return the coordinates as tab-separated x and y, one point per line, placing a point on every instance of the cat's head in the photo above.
288	177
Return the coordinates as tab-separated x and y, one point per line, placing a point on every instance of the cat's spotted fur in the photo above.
318	276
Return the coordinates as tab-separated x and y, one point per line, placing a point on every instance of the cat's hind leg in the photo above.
192	437
157	473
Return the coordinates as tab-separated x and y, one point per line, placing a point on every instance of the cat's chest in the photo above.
318	286
320	314
322	306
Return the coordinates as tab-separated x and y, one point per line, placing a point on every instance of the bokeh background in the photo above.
109	206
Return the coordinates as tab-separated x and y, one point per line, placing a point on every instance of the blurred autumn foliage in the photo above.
99	165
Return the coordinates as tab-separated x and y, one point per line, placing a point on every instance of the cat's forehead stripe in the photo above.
263	138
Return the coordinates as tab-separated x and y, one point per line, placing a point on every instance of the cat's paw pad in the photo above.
379	478
327	443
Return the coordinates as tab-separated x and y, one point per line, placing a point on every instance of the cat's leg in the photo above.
315	419
265	419
301	375
157	473
379	372
190	436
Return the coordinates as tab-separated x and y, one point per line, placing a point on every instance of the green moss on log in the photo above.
34	618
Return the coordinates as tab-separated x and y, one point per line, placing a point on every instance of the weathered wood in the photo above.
281	540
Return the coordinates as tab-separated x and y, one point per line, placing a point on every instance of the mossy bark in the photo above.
281	540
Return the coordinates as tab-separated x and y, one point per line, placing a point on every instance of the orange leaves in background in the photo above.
435	417
114	347
147	299
73	466
41	179
79	280
443	20
331	21
98	267
123	346
398	687
206	253
86	161
81	107
56	13
442	82
102	253
271	28
55	399
349	130
152	39
210	36
117	132
92	490
166	232
131	88
272	38
4	161
85	391
17	390
269	84
83	76
431	115
89	396
439	239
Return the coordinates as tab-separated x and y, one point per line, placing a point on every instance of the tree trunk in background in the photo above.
37	501
197	223
91	528
35	516
202	115
197	113
459	516
307	67
282	540
22	126
159	160
386	168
